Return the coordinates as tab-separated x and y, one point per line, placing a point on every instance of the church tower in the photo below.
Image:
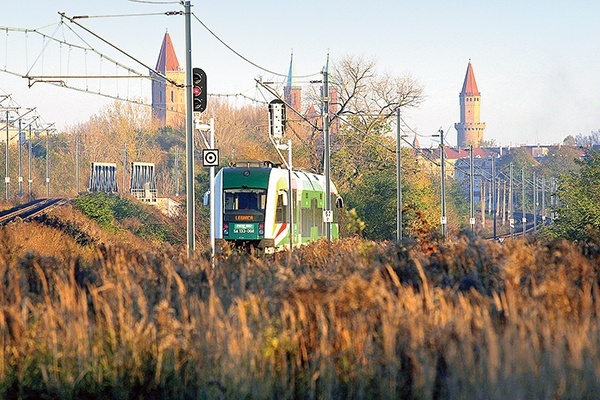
168	100
470	128
292	95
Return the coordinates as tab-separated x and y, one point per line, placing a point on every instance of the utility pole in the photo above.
77	163
543	199
524	218
511	217
124	165
326	139
535	200
398	179
503	207
493	196
189	137
443	182
48	162
20	144
471	190
6	176
177	171
30	180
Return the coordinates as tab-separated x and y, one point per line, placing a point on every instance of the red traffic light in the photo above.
199	89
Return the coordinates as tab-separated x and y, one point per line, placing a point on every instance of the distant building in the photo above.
168	100
470	128
292	95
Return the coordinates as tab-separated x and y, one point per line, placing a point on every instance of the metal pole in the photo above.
30	167
177	171
6	176
471	190
77	163
534	201
543	199
443	182
511	216
327	149
124	165
20	144
493	197
523	218
189	137
47	163
503	202
289	195
398	178
212	194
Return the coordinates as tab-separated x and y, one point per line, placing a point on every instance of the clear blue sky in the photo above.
537	63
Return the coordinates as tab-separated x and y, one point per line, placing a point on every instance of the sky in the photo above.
536	63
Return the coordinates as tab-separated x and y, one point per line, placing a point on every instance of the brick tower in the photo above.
470	128
168	100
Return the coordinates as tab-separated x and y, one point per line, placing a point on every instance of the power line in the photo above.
246	59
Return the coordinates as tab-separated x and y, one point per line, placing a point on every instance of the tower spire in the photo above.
291	71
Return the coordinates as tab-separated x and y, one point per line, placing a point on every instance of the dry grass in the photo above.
348	319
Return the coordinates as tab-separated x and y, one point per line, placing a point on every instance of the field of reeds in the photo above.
351	319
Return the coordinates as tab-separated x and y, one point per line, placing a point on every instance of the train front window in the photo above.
249	199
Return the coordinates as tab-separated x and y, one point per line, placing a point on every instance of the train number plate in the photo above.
243	228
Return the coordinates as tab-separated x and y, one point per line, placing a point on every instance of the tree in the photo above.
560	161
579	201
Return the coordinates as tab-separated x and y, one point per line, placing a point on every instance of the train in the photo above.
251	207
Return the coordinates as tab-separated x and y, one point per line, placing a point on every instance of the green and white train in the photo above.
251	207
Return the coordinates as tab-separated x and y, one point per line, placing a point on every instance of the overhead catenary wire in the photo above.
245	58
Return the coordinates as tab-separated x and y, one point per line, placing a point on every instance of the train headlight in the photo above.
261	229
225	229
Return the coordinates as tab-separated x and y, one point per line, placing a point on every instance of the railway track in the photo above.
29	210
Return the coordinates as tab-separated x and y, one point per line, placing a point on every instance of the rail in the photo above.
29	210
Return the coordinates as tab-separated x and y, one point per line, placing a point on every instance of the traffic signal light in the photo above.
199	89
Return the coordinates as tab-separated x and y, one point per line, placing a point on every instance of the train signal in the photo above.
199	89
276	118
210	157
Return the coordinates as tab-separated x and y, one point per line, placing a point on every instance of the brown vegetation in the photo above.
350	319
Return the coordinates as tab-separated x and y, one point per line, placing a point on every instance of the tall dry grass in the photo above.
348	319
